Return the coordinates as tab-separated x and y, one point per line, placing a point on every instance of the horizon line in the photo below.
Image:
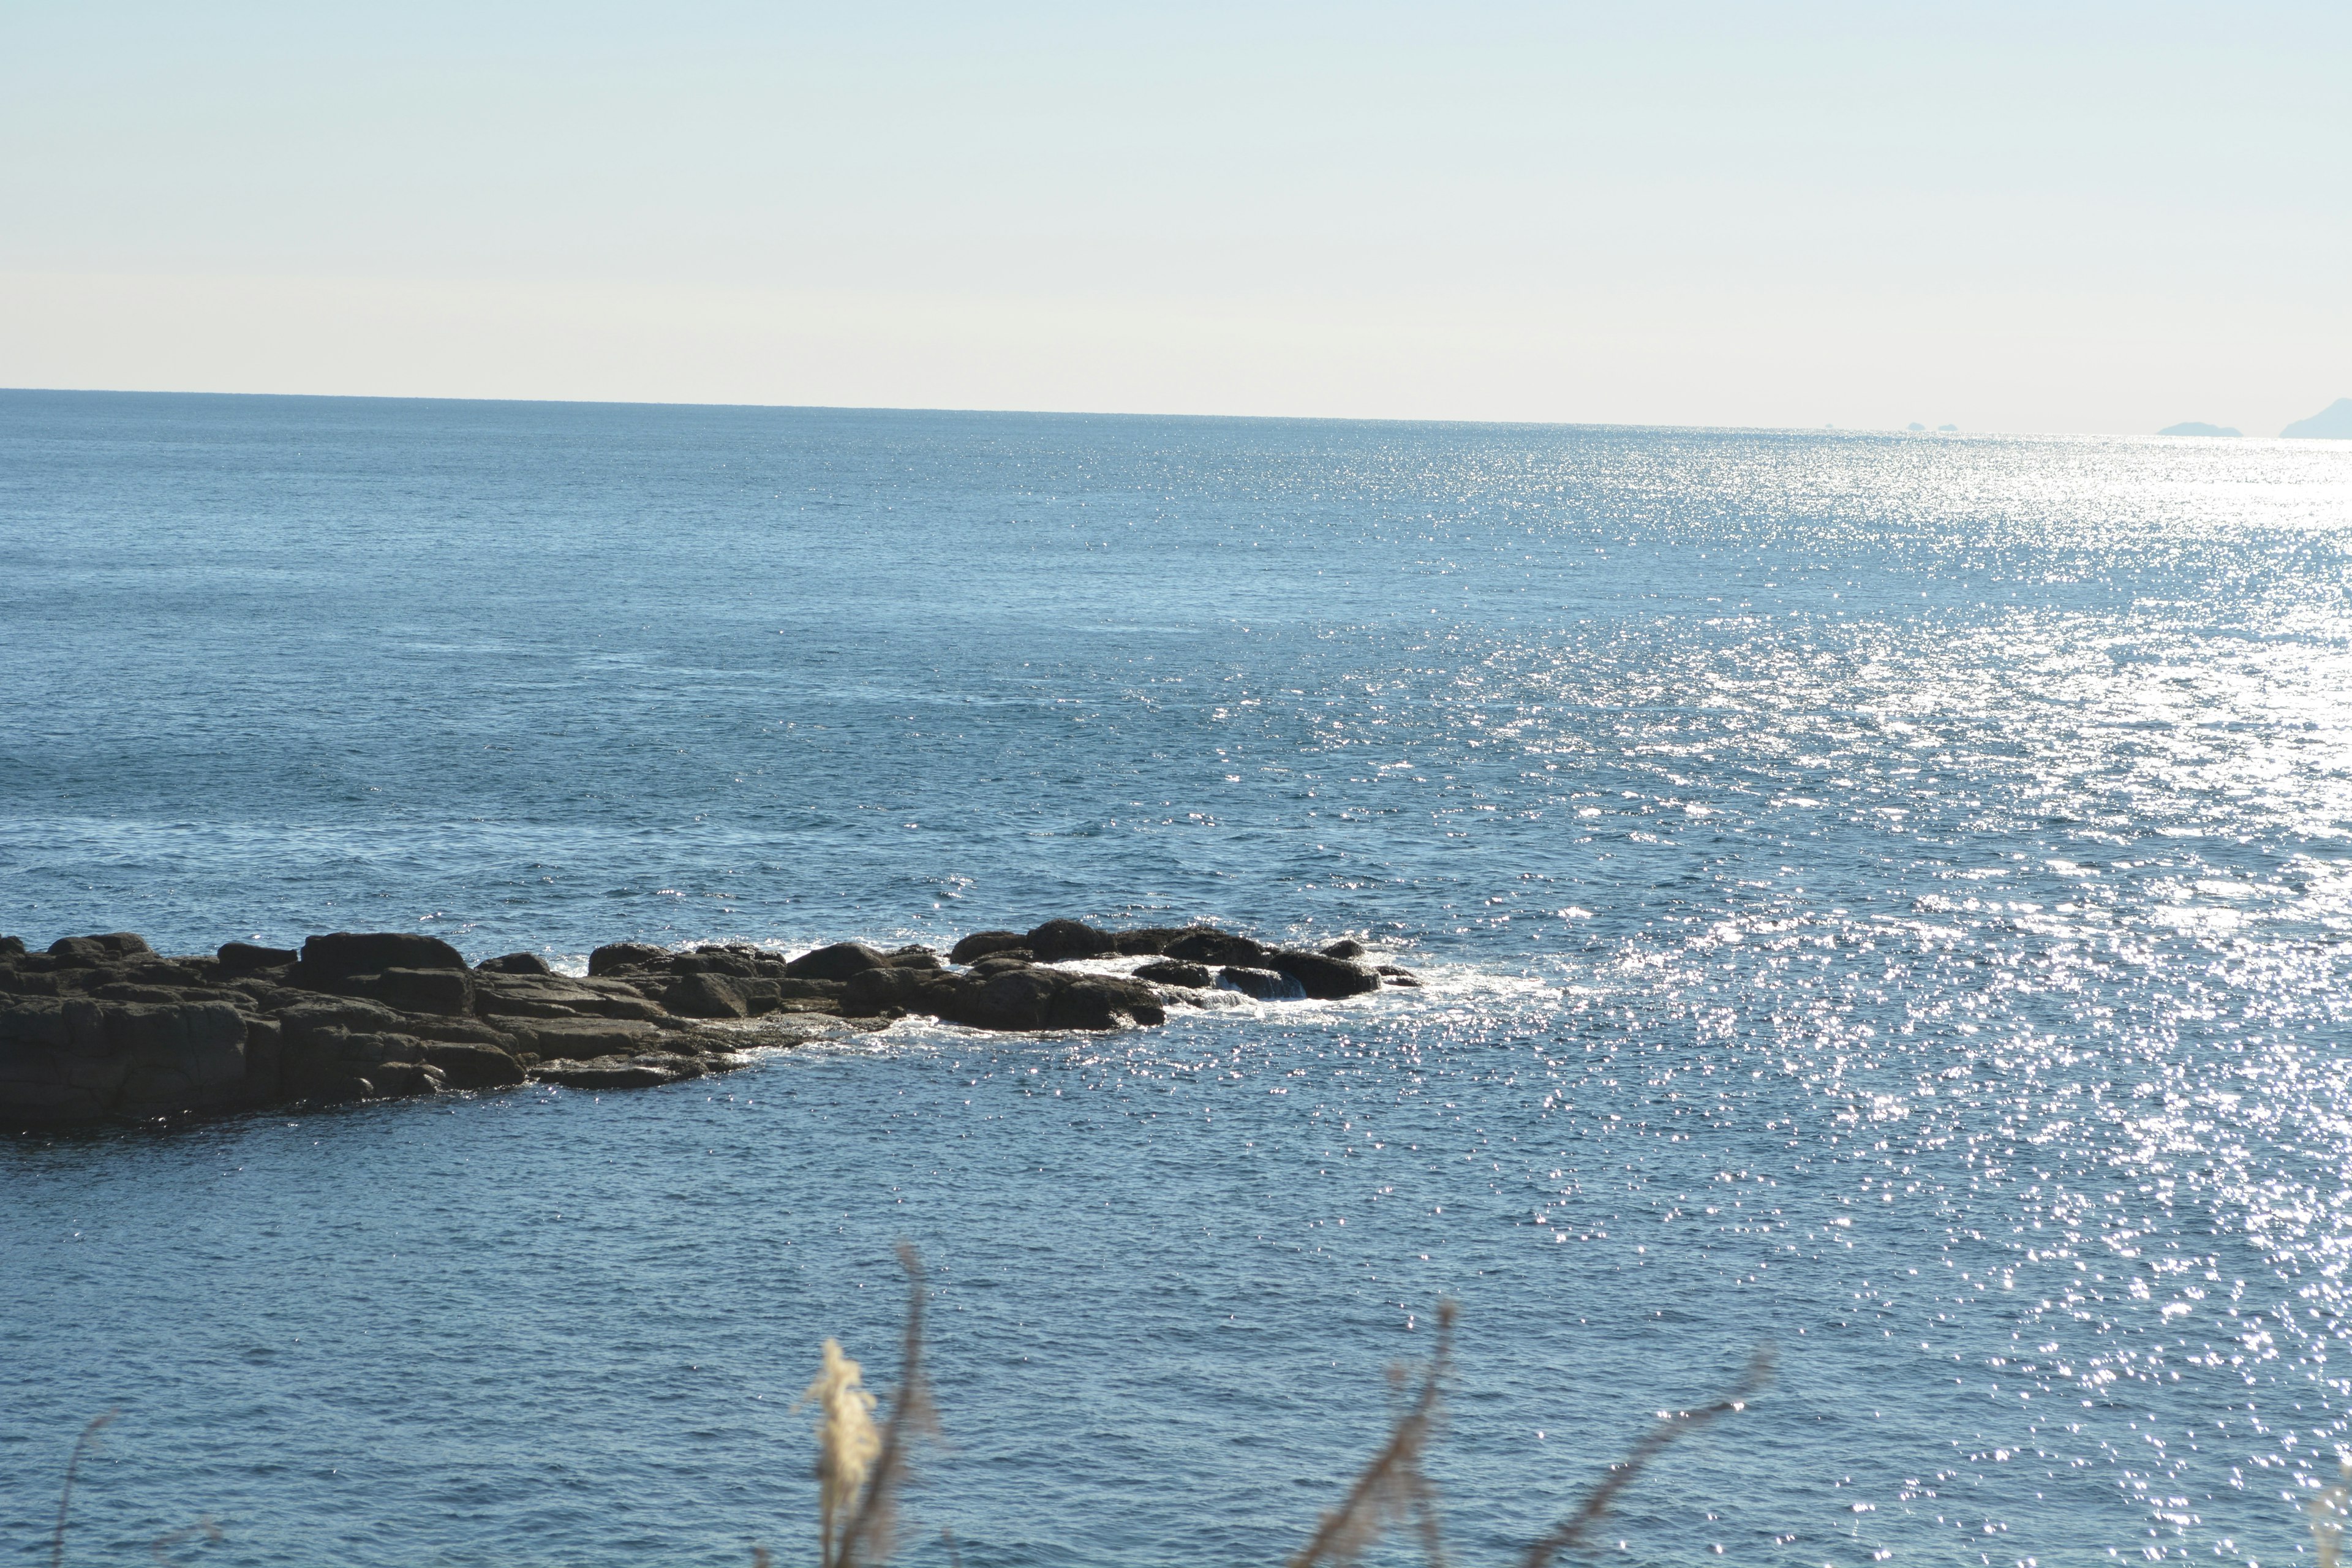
1125	413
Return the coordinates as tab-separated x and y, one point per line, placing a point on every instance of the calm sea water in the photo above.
1888	897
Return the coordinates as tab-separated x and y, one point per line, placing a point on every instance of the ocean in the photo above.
1886	898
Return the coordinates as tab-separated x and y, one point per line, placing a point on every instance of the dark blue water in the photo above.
1890	897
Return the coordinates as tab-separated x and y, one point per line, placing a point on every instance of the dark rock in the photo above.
1346	947
24	979
713	961
624	955
1406	977
1266	985
56	1063
10	948
88	952
133	972
315	1013
244	957
150	970
1206	944
839	961
131	991
1145	940
650	1070
890	986
561	996
584	1039
1034	998
1057	942
372	953
462	1032
320	1060
981	943
73	1059
913	957
1325	979
705	995
264	1060
515	964
998	962
187	1056
475	1067
339	1089
809	990
445	991
1176	971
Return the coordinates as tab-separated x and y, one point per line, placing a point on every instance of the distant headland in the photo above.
2331	423
104	1028
2199	428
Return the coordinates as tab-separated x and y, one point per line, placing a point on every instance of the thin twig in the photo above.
910	1413
1569	1534
65	1498
1392	1486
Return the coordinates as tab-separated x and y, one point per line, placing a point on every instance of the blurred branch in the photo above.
1569	1534
73	1466
1393	1486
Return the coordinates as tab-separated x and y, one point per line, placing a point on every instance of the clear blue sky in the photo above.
2104	218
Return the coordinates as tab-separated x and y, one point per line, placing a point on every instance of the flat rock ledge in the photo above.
104	1028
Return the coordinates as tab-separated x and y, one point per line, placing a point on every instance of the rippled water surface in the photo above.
1887	897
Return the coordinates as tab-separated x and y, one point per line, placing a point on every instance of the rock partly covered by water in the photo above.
101	1028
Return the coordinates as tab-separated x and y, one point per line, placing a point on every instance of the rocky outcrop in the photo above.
101	1027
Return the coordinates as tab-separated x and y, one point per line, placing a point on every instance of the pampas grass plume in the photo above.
846	1443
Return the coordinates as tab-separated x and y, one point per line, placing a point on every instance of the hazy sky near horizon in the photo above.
2098	218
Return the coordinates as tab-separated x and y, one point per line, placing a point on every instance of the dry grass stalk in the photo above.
1393	1489
859	1473
1569	1534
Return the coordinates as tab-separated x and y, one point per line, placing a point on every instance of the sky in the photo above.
2006	217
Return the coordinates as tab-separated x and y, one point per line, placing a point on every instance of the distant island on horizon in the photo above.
2199	428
